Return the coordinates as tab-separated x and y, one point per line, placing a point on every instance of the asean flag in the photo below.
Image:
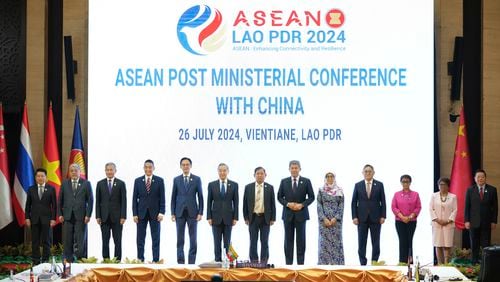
24	177
77	154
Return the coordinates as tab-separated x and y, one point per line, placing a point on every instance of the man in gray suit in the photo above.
259	211
75	208
222	209
481	212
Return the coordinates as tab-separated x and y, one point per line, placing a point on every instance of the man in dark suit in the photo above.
481	212
222	209
75	208
295	194
368	212
185	209
40	215
148	206
259	211
111	210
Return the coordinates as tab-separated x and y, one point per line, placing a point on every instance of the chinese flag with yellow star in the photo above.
461	171
51	161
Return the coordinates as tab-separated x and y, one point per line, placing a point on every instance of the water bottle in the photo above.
53	267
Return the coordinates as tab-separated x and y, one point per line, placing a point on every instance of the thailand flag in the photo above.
24	176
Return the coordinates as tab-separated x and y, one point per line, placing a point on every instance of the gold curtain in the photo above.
239	274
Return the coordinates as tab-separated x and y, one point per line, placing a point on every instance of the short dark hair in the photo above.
259	168
43	170
184	159
368	165
149	161
404	176
480	171
446	180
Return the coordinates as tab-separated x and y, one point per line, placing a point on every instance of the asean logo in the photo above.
200	30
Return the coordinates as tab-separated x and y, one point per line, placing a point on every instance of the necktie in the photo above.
148	185
481	192
110	186
186	182
40	192
223	190
368	189
294	186
74	185
258	200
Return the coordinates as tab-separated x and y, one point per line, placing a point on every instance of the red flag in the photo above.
51	161
76	155
461	171
5	203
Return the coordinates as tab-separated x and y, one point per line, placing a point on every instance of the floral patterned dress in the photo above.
330	247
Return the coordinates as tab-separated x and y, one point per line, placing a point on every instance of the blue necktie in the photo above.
110	186
186	182
223	190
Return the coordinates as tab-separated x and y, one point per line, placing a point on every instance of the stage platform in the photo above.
164	272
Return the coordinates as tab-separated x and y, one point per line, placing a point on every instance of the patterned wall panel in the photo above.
12	54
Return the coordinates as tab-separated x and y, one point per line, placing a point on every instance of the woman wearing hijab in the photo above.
443	209
330	203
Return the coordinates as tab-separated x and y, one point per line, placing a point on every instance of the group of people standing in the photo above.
295	194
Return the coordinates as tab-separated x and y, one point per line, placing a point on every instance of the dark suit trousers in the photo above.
154	225
405	234
192	224
74	232
479	237
40	234
257	225
292	227
363	228
219	230
106	228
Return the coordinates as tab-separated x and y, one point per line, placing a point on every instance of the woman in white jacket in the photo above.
443	210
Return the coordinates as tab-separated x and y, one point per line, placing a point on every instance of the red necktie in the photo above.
148	185
481	192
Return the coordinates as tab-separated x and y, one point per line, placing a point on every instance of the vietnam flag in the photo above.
77	154
51	161
461	171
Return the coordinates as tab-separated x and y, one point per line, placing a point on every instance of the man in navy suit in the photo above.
40	215
259	211
295	194
185	209
148	206
111	210
75	209
481	213
222	209
368	212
